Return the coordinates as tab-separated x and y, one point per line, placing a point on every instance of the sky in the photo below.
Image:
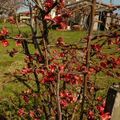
115	2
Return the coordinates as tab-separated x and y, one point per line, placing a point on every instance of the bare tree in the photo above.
7	7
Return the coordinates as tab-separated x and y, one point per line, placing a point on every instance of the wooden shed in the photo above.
104	16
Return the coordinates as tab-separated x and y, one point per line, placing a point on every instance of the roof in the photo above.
26	12
100	6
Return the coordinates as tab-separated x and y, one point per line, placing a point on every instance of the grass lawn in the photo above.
8	63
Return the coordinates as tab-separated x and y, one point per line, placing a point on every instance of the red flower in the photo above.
91	115
4	31
18	43
58	19
62	67
118	61
11	20
26	71
66	98
101	109
91	70
26	98
5	43
52	68
63	25
96	47
49	77
64	103
62	54
105	116
48	17
103	65
21	112
48	3
32	114
72	78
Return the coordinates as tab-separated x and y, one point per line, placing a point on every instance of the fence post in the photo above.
113	102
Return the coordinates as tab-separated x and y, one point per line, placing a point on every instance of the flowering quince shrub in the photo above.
98	111
54	74
3	33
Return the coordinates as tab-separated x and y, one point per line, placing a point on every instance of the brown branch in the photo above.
58	98
23	39
88	57
21	80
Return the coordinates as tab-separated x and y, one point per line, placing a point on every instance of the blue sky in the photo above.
115	2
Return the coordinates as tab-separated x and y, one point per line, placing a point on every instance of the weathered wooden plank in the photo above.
116	108
113	102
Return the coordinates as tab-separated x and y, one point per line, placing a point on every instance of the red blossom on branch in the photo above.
48	17
96	47
5	43
48	4
105	116
4	31
67	97
49	76
91	115
103	65
32	114
26	71
11	19
26	98
21	112
18	42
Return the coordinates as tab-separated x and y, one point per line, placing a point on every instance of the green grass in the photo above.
9	64
69	36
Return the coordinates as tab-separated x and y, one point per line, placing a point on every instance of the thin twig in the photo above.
88	57
58	98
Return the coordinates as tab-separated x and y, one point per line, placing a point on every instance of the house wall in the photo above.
24	18
53	13
96	19
108	21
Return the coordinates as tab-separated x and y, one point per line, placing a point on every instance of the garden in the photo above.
50	72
